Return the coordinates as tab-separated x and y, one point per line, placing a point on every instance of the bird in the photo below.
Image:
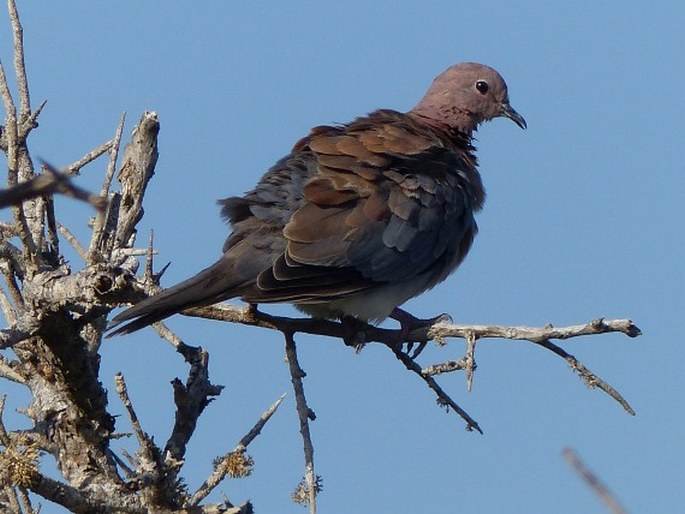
359	217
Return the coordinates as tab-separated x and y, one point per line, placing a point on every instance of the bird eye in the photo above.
482	86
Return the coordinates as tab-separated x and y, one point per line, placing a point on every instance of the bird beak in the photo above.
509	112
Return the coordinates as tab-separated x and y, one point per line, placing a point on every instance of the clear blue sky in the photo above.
584	218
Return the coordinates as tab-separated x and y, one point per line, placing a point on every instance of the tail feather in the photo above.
211	285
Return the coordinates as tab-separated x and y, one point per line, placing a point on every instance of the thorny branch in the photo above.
56	318
306	492
234	463
49	183
439	332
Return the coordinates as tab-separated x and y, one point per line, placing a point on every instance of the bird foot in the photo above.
409	322
355	332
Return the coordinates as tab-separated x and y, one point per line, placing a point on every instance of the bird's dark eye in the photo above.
482	86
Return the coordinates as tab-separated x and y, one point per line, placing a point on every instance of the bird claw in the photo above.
355	333
409	322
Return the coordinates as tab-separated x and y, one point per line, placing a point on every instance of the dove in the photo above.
358	218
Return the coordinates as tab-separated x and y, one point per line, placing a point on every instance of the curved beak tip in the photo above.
509	112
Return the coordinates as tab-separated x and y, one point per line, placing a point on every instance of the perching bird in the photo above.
358	218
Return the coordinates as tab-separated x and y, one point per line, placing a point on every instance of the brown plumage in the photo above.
358	218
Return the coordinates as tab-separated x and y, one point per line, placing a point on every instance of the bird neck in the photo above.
446	119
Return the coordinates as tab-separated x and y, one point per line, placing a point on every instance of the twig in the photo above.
470	360
257	428
4	437
10	129
48	183
221	468
75	167
24	327
26	502
19	491
148	451
73	500
585	374
137	168
71	239
13	287
7	307
149	261
9	373
5	441
444	367
95	247
443	398
113	155
48	206
597	326
31	122
12	256
439	331
19	64
191	399
305	414
127	470
593	482
10	132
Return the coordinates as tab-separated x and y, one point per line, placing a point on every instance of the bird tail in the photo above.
207	287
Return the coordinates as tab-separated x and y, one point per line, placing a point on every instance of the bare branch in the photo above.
191	399
71	239
470	360
31	122
26	326
19	64
75	167
148	450
138	164
305	414
11	113
9	373
149	261
101	220
113	155
444	367
585	374
11	136
593	482
10	275
73	500
534	334
26	501
222	466
257	429
443	398
50	182
439	332
7	307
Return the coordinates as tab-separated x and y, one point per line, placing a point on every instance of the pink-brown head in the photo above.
465	95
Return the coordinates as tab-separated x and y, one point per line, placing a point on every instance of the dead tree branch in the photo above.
307	491
593	482
439	332
234	463
48	183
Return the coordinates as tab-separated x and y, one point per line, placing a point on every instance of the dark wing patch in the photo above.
390	200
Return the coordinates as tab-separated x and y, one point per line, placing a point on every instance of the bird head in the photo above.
465	95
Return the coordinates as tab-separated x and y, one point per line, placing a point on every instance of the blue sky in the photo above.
583	219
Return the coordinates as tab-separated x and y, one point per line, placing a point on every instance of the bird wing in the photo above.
390	200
